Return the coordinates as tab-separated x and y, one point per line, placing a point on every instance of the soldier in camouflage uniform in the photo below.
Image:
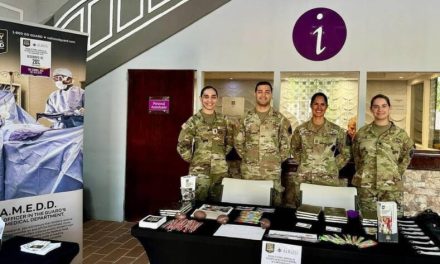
263	141
382	152
319	146
204	141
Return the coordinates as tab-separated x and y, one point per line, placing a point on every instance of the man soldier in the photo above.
263	141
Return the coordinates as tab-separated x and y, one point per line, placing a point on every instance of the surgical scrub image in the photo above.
36	159
65	106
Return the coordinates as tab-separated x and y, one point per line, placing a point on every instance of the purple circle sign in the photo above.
319	34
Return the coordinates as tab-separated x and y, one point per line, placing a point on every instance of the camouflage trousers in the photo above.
209	188
368	199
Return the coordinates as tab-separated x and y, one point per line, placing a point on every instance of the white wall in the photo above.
254	35
36	11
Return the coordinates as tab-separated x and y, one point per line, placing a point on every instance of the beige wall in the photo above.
422	191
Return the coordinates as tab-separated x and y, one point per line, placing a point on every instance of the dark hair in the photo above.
206	88
380	96
263	83
316	95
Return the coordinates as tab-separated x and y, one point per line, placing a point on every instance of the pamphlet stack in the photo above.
308	212
39	247
152	221
176	208
335	215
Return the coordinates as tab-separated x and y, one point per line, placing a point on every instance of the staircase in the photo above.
120	30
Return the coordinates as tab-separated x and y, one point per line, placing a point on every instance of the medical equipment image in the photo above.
35	159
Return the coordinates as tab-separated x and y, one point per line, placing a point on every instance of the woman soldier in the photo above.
204	141
382	152
319	147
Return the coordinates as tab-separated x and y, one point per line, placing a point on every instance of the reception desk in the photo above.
164	247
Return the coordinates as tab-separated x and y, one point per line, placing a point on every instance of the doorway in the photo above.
153	166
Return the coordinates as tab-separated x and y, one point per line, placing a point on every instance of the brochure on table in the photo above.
387	222
213	211
152	221
188	187
39	247
240	231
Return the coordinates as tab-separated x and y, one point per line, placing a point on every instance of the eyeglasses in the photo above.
60	78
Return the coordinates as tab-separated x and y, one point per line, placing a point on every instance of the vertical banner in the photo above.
42	110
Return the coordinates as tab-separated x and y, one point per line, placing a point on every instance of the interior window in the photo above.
341	89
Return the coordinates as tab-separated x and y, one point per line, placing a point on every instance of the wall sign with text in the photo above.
159	105
319	34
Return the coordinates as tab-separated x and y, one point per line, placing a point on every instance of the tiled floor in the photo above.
111	242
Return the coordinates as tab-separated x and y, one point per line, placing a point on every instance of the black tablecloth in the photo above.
10	253
201	247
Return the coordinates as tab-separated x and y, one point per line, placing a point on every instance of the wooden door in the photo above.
153	166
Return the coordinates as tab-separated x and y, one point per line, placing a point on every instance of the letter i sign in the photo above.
319	34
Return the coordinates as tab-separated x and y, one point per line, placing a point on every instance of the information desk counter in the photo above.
164	247
10	253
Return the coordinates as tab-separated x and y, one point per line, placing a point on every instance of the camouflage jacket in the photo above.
320	153
205	146
263	145
381	160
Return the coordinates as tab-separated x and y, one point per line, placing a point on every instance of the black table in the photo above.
10	253
164	247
